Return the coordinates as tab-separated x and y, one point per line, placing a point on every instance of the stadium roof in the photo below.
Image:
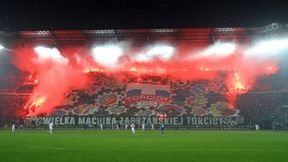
138	36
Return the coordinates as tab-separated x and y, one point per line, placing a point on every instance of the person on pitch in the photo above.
51	127
132	128
13	127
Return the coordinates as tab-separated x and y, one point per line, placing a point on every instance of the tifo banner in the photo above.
137	99
196	121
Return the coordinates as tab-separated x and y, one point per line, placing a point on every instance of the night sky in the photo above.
103	14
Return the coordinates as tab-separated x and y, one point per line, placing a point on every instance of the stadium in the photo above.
210	87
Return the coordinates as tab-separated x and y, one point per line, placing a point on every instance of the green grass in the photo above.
116	146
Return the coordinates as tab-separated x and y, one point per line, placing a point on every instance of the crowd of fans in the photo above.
264	109
11	109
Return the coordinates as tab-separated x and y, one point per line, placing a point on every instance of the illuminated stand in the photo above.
153	52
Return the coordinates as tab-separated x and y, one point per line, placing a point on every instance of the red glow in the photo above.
56	78
89	70
38	101
239	86
133	69
270	68
34	103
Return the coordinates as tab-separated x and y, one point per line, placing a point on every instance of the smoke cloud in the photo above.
60	70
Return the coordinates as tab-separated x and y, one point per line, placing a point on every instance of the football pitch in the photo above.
122	146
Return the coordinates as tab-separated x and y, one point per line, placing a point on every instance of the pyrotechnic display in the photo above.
202	77
59	71
141	81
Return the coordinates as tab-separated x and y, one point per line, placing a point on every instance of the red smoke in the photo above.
57	77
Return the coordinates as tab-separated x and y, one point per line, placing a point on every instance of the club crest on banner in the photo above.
145	94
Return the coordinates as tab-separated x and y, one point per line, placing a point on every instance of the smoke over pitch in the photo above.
60	70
